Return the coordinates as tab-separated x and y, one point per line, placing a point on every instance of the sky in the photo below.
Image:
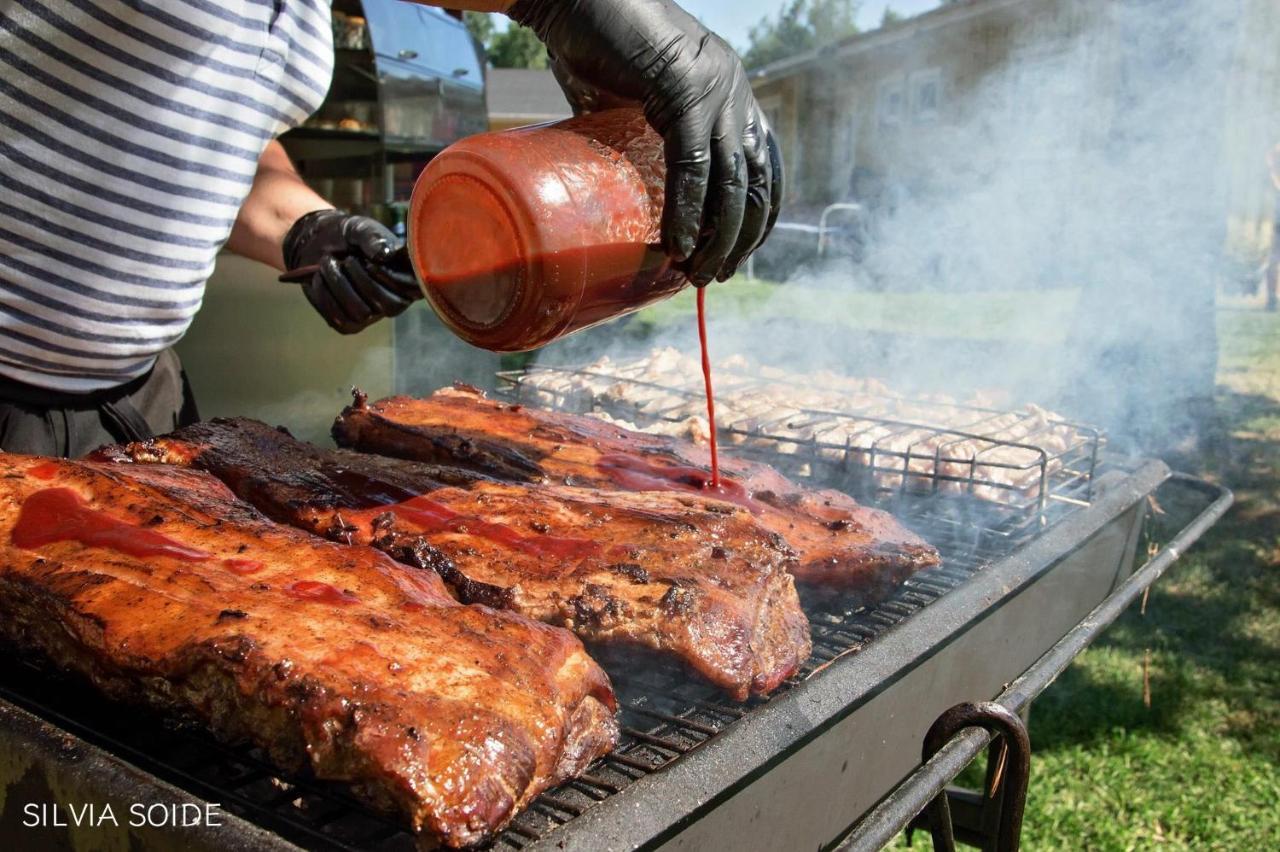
732	18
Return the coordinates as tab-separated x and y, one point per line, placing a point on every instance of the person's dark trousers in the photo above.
37	421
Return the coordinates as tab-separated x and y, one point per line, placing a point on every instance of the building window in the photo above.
890	102
926	95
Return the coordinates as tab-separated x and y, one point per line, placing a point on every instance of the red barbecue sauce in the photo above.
243	566
314	591
706	381
45	470
60	514
430	516
638	473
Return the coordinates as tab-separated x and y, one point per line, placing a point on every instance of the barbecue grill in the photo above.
834	758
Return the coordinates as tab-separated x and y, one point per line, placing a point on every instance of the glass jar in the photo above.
523	236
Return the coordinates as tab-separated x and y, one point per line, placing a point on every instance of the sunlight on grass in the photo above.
1013	315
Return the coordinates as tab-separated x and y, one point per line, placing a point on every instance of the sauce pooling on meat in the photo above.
317	592
635	473
60	514
430	516
243	566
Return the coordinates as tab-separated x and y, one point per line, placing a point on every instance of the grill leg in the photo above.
993	817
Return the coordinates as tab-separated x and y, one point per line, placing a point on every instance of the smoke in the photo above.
1058	232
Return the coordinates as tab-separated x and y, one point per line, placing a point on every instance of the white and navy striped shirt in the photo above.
130	131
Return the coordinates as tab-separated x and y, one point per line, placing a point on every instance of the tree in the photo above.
514	47
517	47
890	16
799	26
480	25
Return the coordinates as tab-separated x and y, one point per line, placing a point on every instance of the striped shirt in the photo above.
130	132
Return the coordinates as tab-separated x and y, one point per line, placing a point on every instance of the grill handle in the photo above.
929	781
1013	767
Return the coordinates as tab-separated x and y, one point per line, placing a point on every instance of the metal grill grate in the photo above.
664	713
872	445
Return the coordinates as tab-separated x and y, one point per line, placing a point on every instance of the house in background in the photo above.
1048	86
520	96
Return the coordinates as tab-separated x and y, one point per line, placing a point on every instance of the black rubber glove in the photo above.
364	274
724	175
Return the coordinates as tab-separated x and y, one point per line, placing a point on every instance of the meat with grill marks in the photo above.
839	544
160	586
696	579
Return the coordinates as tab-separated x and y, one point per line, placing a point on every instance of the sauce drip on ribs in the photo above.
159	586
840	544
696	579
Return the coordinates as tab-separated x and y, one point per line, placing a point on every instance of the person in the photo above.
1271	277
138	138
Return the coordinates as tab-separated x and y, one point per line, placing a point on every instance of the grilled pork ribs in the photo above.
159	586
698	580
840	544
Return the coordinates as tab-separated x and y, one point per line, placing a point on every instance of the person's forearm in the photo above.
278	198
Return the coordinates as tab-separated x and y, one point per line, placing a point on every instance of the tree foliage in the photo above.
800	25
517	47
480	25
514	47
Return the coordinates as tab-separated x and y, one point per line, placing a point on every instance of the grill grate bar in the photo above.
629	762
680	722
560	804
653	740
596	782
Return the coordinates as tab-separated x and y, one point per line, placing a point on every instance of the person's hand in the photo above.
363	276
724	174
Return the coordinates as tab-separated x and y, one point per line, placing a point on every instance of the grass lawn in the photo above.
978	316
1199	769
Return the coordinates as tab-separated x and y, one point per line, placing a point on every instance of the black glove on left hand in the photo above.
364	275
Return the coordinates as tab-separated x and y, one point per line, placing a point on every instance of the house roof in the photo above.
524	93
945	15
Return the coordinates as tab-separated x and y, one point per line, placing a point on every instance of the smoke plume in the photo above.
1059	234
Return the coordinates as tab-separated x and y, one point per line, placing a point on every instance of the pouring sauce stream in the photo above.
706	381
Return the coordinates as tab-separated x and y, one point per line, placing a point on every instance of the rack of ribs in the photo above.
159	586
839	544
696	579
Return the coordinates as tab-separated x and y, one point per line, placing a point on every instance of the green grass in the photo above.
1200	767
992	315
